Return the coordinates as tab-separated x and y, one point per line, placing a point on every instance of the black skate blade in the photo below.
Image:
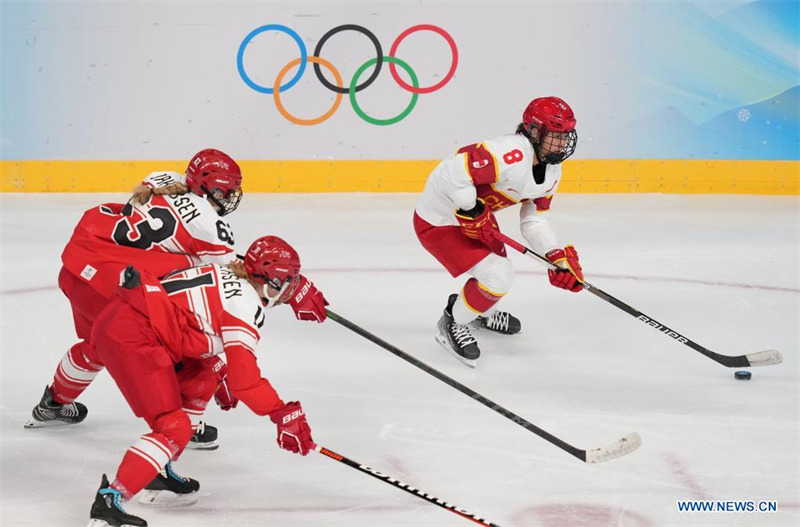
167	499
446	345
209	445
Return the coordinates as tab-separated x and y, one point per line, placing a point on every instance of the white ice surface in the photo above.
722	270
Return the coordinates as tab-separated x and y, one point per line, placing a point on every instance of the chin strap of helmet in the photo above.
523	131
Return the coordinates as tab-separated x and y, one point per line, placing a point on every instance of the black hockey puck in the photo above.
742	375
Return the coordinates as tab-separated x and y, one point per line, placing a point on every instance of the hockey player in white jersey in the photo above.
454	219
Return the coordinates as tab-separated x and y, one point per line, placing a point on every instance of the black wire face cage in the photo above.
570	141
225	204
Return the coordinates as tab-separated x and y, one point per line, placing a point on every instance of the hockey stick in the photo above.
759	358
405	486
619	448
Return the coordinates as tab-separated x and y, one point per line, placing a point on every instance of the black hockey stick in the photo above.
759	358
405	486
619	448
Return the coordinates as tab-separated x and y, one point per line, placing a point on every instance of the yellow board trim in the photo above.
580	176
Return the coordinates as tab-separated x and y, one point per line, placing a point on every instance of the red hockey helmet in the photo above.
549	123
212	173
273	263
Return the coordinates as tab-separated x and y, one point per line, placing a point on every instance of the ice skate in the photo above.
456	338
107	509
204	438
50	413
499	322
169	489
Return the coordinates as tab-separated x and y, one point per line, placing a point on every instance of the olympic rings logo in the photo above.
353	87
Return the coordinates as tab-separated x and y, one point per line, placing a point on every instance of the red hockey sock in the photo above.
479	298
198	383
195	410
75	372
141	463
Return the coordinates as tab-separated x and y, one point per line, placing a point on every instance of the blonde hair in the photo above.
238	269
142	193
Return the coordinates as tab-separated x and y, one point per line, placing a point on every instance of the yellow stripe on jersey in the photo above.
504	194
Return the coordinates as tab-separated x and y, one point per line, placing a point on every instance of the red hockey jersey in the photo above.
225	315
165	234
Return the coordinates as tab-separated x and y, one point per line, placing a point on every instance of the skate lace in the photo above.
69	410
462	335
116	498
498	321
174	475
201	429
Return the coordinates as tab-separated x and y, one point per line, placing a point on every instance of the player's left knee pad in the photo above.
176	427
495	273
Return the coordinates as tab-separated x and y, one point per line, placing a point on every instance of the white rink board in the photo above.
722	270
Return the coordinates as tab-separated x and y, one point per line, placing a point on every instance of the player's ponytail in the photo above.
237	266
143	193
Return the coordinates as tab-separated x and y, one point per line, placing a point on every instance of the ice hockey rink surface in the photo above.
722	270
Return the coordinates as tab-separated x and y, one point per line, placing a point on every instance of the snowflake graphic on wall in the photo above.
744	115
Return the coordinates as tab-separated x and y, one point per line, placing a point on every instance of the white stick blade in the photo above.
765	358
620	448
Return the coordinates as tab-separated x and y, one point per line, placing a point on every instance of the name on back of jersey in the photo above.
231	284
161	180
185	207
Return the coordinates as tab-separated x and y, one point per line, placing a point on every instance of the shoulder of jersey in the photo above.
506	144
203	205
238	296
514	155
195	212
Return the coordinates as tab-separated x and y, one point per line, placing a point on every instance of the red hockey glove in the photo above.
570	274
294	434
480	224
308	302
223	396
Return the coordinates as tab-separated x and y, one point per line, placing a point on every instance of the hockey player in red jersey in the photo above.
454	219
185	318
172	221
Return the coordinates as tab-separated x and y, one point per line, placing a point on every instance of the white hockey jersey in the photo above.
210	237
501	172
227	308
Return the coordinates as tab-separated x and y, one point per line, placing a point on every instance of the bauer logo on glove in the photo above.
308	303
294	434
